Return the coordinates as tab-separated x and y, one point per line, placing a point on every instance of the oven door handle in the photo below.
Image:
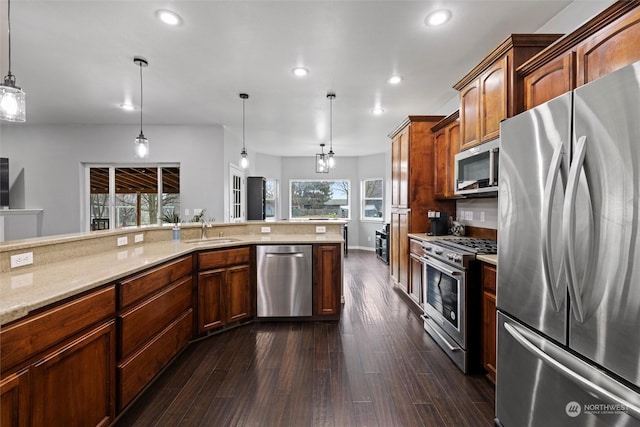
444	340
439	266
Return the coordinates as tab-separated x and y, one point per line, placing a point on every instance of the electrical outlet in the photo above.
482	216
468	215
265	229
197	211
122	241
368	238
321	229
186	212
138	238
21	260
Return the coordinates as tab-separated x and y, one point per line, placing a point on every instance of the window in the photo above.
271	199
372	202
316	199
122	196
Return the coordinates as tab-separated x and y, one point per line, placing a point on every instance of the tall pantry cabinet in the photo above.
412	189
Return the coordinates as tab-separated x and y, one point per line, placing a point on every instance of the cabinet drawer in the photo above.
415	247
146	319
136	288
489	278
223	258
136	372
34	334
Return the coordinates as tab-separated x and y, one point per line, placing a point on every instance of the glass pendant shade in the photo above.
244	162
332	160
13	106
141	147
322	161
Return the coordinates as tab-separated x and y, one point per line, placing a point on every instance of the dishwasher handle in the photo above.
284	254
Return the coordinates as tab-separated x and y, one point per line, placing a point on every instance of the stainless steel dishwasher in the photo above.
285	280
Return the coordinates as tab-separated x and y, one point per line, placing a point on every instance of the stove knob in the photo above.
458	258
438	251
450	256
427	248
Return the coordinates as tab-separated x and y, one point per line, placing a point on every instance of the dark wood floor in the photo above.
376	367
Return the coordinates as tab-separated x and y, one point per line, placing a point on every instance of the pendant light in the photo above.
12	98
322	161
141	143
331	162
244	162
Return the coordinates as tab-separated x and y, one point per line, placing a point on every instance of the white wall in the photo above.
46	167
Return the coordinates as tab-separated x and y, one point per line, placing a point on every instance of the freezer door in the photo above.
605	182
534	161
540	384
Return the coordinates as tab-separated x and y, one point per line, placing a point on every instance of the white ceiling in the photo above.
74	59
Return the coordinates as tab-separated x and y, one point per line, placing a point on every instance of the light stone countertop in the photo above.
25	289
489	259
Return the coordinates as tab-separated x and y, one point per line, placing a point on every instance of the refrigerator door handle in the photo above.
552	283
599	391
569	230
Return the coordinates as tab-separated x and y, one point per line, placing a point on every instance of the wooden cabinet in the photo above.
224	287
412	189
493	91
14	400
415	271
446	140
75	382
605	43
155	324
489	320
59	364
327	280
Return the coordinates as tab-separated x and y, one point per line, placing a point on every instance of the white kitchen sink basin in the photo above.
211	241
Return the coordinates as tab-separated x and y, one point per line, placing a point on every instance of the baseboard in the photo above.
362	248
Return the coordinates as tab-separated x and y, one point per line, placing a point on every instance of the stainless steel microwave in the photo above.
476	170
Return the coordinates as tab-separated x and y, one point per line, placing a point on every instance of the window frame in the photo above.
291	181
276	198
85	207
363	200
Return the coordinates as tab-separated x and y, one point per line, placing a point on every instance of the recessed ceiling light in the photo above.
128	107
169	17
438	17
377	111
300	72
394	80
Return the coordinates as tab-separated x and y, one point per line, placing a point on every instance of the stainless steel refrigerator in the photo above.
568	293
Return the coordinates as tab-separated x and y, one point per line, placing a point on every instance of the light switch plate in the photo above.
122	241
138	238
321	229
265	229
468	215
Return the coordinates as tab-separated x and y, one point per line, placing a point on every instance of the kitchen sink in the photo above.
211	241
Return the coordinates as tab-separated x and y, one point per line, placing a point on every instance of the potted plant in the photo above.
172	218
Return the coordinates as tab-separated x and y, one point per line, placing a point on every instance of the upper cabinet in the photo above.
605	43
446	141
493	91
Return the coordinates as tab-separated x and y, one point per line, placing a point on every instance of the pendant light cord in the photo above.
9	29
140	98
243	147
331	124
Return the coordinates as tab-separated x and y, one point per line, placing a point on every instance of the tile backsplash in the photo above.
482	212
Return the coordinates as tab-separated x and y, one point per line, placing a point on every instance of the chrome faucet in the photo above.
205	224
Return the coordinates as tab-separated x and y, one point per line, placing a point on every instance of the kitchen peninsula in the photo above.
91	318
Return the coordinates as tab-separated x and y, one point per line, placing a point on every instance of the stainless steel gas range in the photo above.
452	295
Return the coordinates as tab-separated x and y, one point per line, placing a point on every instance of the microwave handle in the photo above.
493	179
